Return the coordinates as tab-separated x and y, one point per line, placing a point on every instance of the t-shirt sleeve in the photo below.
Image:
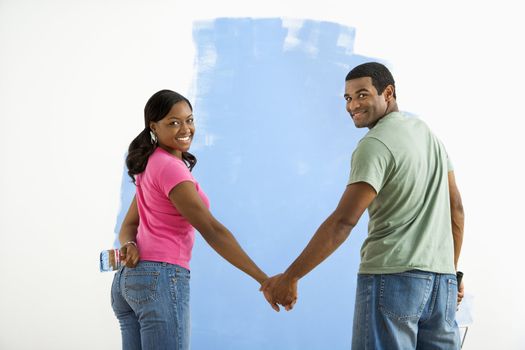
450	166
172	174
372	162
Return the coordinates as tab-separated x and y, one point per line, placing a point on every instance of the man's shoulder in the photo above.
397	126
370	147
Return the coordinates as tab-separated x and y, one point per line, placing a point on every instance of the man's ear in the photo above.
389	93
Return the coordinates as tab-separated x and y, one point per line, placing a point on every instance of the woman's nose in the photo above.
184	127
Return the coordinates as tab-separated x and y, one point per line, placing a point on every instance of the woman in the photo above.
150	294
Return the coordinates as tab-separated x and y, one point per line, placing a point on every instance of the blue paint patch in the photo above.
127	192
274	156
273	145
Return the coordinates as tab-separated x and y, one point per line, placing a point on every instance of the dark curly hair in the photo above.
157	107
380	75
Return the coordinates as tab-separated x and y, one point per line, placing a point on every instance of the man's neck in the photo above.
389	109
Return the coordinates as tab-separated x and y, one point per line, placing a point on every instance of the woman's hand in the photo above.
129	254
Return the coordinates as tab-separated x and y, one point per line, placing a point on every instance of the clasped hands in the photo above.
280	289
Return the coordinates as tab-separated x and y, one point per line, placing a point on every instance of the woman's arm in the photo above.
129	254
186	199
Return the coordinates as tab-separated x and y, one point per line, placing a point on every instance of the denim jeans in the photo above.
408	310
151	302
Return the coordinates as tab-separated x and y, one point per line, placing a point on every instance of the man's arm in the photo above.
328	237
457	216
457	219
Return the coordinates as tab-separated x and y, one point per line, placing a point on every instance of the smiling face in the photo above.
175	131
364	103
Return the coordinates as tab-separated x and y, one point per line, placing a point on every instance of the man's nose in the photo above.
351	106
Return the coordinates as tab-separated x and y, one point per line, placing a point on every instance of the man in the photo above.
407	291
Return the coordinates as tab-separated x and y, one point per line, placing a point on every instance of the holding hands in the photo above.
280	289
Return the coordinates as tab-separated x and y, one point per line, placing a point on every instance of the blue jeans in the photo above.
152	304
408	310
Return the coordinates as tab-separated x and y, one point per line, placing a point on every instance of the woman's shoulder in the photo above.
163	158
162	162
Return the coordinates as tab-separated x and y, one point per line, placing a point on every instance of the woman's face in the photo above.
175	131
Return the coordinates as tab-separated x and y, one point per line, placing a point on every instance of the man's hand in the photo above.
461	292
129	255
280	289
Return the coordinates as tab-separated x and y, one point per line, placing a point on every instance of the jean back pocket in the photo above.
140	285
403	296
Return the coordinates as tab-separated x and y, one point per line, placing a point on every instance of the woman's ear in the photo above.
153	126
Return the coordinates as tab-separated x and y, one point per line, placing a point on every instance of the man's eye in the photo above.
348	98
362	95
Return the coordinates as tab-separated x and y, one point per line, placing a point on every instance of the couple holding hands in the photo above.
400	172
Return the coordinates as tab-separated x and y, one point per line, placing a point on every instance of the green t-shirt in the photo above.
409	220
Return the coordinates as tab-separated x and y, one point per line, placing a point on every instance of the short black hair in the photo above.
380	75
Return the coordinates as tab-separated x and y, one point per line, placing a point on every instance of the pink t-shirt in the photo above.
164	235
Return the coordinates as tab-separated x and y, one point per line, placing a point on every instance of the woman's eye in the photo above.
190	121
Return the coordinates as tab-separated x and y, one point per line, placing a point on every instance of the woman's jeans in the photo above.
152	304
409	310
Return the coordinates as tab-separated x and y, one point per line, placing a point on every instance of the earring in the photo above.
153	137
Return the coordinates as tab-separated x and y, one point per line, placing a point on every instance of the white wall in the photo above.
74	77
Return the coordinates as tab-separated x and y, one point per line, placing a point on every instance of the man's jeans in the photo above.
409	310
151	302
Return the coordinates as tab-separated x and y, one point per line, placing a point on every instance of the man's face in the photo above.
363	102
